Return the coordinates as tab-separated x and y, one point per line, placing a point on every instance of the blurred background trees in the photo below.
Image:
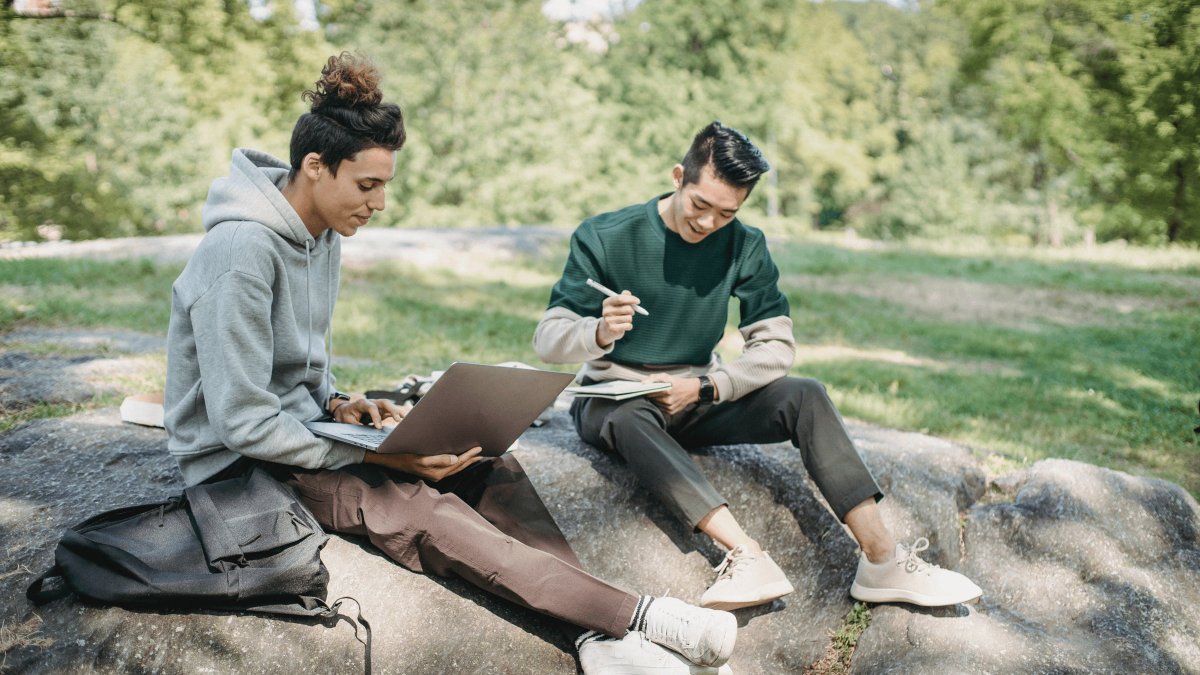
1042	121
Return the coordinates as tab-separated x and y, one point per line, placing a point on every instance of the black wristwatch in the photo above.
336	395
707	390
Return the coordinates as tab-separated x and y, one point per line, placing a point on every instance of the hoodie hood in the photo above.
253	192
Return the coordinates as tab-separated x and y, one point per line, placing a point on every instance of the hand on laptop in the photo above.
431	467
378	410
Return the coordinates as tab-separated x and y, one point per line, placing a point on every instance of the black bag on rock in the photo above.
246	544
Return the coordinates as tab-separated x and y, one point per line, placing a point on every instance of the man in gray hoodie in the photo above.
248	361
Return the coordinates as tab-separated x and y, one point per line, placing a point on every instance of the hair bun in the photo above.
347	81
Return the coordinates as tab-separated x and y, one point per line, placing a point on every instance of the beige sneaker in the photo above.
908	578
745	579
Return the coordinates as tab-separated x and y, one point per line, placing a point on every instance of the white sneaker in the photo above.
704	636
634	655
908	578
745	579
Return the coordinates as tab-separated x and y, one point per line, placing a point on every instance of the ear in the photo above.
311	166
677	176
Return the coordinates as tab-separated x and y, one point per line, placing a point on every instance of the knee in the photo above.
805	390
630	421
507	465
802	397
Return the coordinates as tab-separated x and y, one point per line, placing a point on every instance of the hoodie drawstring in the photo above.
308	302
329	324
330	293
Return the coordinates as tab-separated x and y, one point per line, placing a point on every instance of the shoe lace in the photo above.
674	627
911	561
737	559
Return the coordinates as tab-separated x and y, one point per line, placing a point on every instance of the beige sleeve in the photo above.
562	336
768	355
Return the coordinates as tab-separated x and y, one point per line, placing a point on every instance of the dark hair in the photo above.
734	159
348	115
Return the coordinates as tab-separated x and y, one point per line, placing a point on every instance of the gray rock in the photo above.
1083	569
85	364
26	381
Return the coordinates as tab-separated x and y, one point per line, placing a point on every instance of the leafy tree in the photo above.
500	130
1101	96
1151	95
788	74
117	115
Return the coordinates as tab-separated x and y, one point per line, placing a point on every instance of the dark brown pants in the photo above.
486	525
788	409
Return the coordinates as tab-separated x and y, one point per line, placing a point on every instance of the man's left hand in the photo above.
684	391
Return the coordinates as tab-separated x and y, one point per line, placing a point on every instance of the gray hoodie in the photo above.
247	361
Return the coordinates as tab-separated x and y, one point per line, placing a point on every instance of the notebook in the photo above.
469	405
618	390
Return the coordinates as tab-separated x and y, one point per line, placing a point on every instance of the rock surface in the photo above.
1083	569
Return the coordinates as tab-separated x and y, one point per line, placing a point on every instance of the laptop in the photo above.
469	405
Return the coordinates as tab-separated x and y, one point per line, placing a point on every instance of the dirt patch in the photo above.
89	342
993	304
466	249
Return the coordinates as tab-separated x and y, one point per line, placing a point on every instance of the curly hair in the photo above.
348	114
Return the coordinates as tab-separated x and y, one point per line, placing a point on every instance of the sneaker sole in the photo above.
770	593
876	595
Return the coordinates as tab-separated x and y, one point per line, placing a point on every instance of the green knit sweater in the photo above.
685	287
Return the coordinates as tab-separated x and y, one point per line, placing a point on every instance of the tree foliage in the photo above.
1039	120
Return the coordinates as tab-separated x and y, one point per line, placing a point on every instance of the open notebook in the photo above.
618	390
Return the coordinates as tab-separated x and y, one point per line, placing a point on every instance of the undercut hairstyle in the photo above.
348	115
734	159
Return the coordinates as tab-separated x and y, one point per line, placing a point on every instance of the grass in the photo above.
842	643
1084	354
1116	386
132	294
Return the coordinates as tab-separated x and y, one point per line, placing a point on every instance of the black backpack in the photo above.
244	544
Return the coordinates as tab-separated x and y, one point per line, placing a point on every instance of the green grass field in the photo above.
1083	354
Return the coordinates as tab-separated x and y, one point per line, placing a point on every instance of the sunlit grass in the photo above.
418	321
134	294
1121	393
1117	389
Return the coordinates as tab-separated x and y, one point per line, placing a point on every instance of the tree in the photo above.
117	115
1101	95
500	130
788	74
1154	91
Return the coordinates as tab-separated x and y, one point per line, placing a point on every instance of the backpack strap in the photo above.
332	613
39	595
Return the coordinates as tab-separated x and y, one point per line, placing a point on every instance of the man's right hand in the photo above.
430	467
616	318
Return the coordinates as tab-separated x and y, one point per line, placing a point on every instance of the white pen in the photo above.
612	294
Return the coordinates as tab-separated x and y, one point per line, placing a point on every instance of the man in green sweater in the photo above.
686	254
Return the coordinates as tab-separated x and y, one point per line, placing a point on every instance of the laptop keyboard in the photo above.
372	437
